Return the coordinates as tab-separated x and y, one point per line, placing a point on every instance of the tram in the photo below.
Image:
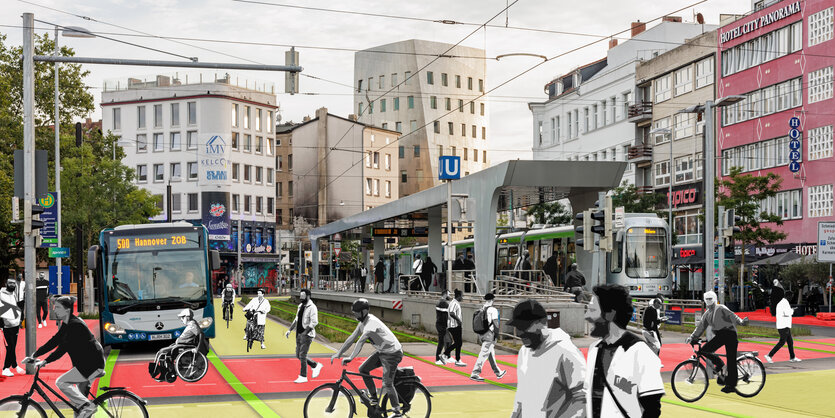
640	259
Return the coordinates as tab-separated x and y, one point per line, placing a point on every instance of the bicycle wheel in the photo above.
689	381
120	404
751	379
191	365
20	406
329	396
419	406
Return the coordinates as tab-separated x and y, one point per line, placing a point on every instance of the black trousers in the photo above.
456	344
10	334
22	306
42	307
785	337
362	284
441	341
728	338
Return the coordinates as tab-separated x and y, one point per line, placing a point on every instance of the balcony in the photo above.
640	155
640	112
645	190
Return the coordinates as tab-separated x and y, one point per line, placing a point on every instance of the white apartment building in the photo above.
211	137
437	109
586	116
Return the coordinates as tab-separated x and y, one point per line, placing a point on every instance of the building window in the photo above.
175	114
396	103
393	79
359	85
413	125
430	79
417	151
660	137
270	205
158	142
786	204
460	105
474	130
259	144
279	217
192	170
454	151
388	188
279	189
269	175
192	202
381	82
235	141
481	85
388	162
444	80
463	129
466	153
407	78
176	206
236	203
483	132
259	175
192	113
401	150
191	139
403	176
368	159
484	156
820	26
458	81
236	172
159	172
376	187
289	162
469	83
175	141
820	201
820	142
259	203
699	163
688	227
140	117
662	173
475	155
472	108
141	143
368	186
481	105
704	72
398	126
433	102
683	125
117	119
157	116
436	125
247	203
382	105
684	80
142	173
411	101
258	119
820	85
246	117
247	142
662	88
247	173
376	160
684	169
451	128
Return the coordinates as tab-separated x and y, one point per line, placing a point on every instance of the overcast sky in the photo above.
228	20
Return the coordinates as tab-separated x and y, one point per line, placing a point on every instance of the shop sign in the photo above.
761	22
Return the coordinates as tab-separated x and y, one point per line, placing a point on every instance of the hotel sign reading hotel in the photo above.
761	22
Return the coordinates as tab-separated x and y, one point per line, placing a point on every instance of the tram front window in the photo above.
646	253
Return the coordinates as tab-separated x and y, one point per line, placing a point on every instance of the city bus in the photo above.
146	275
639	261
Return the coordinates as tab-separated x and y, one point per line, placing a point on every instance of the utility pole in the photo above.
710	177
721	236
29	197
58	169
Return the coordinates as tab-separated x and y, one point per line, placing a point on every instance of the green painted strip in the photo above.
563	234
815	342
702	408
795	347
109	365
256	404
501	385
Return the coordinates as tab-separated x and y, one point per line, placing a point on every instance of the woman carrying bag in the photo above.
258	307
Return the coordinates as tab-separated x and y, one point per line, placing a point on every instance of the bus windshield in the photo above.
156	268
646	252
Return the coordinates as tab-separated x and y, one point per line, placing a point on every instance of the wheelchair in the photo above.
189	363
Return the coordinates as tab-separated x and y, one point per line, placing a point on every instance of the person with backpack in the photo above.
486	324
228	295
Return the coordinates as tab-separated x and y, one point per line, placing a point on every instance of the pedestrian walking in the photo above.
417	269
652	318
20	293
784	327
524	267
428	272
441	323
379	274
623	375
307	317
363	276
574	282
10	318
777	294
488	321
391	276
42	293
259	306
454	330
550	369
550	268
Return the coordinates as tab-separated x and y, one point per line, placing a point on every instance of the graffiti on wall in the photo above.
263	275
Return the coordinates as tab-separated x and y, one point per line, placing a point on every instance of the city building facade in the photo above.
212	141
435	103
778	58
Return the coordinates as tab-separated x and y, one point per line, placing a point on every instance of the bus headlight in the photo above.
205	322
113	328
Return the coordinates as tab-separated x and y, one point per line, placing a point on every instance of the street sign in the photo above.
49	231
794	166
59	252
336	251
794	133
794	122
794	145
337	244
826	242
620	213
449	167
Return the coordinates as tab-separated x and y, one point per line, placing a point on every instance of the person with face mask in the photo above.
720	324
550	369
304	324
623	375
388	352
10	320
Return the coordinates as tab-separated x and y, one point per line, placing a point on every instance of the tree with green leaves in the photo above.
627	195
552	213
743	193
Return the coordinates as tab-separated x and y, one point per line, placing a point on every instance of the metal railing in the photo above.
640	109
640	305
640	151
405	281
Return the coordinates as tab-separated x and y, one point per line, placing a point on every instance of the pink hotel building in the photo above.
781	57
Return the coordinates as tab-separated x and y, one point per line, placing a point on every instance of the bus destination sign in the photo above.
174	240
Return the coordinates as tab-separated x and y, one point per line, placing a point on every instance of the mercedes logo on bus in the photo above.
159	326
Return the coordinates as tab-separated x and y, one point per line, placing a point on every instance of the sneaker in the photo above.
460	363
19	370
40	326
87	411
244	337
720	380
477	378
501	374
768	359
662	365
729	389
317	370
263	346
44	323
795	360
8	373
444	358
396	414
300	379
440	362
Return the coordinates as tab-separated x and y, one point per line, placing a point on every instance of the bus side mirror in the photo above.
92	256
619	236
214	256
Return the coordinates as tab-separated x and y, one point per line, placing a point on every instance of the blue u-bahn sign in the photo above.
449	168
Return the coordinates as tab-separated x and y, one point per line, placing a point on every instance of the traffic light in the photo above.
584	230
728	227
604	229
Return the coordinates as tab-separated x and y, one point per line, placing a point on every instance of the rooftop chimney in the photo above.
306	119
352	117
638	27
613	43
675	19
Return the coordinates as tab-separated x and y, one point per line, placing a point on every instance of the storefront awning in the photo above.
693	259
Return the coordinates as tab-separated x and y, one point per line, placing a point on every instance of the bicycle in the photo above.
250	331
334	399
227	312
690	380
114	402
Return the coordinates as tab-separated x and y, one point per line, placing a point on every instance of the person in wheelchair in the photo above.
190	338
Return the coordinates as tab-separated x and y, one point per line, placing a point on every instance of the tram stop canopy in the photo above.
505	186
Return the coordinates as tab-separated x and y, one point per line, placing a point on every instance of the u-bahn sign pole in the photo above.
29	198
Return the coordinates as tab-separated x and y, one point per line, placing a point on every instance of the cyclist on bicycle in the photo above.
86	354
229	299
720	323
388	352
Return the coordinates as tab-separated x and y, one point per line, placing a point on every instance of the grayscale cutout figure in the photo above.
486	324
784	315
307	317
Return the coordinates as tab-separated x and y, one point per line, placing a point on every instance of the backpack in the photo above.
480	324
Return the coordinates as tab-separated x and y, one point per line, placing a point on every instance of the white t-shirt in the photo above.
261	307
633	373
784	314
492	315
454	307
417	266
381	336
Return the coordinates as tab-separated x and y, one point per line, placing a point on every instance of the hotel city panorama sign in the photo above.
763	21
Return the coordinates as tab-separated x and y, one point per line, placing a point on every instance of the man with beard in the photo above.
624	375
720	323
550	369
